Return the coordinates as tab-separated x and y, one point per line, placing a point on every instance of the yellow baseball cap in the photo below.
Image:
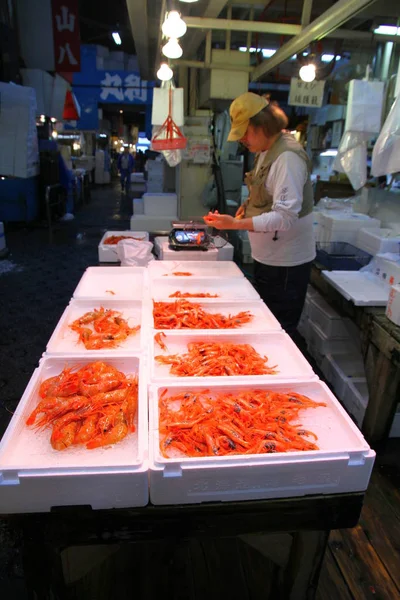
242	109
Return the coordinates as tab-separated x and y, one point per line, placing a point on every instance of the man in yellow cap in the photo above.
278	211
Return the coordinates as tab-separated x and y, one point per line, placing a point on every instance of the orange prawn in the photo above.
158	339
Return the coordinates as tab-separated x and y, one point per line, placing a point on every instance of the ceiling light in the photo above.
174	26
164	73
329	153
172	49
54	135
188	1
329	57
42	118
387	30
121	111
307	73
116	38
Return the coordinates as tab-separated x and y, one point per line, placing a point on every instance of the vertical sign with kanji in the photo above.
66	35
306	94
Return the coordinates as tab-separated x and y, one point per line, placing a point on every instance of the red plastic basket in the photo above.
169	136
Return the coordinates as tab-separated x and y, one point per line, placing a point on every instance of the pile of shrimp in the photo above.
93	406
248	422
179	274
114	239
214	359
102	328
194	295
183	314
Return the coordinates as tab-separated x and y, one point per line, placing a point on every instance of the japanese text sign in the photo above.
306	94
66	35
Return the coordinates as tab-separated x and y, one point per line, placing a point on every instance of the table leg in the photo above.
383	378
299	580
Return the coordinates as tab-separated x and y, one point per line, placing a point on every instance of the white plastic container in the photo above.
109	253
276	345
35	478
342	369
232	289
117	283
160	205
375	241
343	227
328	320
393	307
263	319
356	400
223	269
224	248
363	289
325	345
343	463
65	341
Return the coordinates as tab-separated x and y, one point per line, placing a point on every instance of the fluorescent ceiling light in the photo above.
188	1
172	49
117	38
329	57
387	30
174	26
329	153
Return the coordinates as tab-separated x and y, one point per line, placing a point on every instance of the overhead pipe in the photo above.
329	21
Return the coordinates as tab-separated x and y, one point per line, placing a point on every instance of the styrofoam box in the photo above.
341	369
376	241
160	205
263	319
66	341
138	206
393	307
343	463
303	327
35	478
356	399
224	248
126	283
363	289
109	253
232	289
220	269
276	345
386	269
324	345
327	319
347	221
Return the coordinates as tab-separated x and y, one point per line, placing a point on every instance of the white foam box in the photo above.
304	328
35	478
324	344
137	178
109	253
328	320
160	205
356	400
224	248
232	289
387	268
263	319
343	227
117	283
137	206
341	369
66	341
375	241
281	351
146	223
393	307
342	464
363	289
221	270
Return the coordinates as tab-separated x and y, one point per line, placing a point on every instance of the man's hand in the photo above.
220	221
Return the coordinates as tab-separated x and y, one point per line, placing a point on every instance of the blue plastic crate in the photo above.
341	256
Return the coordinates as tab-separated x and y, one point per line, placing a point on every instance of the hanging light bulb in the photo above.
174	26
172	49
308	73
164	73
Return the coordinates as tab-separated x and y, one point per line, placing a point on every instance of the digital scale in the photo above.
189	235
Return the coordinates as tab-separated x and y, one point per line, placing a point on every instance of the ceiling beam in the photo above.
137	10
236	25
212	10
306	13
329	21
198	64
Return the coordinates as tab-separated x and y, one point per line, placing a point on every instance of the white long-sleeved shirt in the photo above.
295	244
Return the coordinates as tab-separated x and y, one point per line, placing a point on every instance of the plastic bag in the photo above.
173	157
134	253
352	158
386	153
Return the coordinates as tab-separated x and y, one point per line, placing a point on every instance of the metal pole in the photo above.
332	19
306	14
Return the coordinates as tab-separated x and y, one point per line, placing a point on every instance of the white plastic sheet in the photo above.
133	253
352	158
386	153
